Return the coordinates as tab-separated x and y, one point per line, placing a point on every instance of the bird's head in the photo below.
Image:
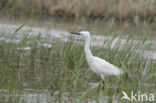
83	33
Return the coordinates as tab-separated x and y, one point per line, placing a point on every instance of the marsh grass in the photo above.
63	68
100	9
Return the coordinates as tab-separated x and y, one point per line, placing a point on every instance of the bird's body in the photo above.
102	67
98	65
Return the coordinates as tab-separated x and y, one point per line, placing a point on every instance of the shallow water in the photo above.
63	35
28	96
44	96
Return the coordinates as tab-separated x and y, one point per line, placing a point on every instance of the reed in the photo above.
62	68
103	9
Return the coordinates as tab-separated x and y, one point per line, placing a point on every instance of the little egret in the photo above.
97	65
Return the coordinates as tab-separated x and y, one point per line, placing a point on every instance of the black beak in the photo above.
75	33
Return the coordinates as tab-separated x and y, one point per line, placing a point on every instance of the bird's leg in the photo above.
102	76
118	88
99	86
103	87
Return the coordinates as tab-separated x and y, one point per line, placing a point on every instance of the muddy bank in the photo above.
68	9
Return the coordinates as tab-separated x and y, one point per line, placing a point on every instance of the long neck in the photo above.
87	49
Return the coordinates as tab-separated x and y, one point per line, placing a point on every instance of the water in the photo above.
45	96
42	96
97	40
27	95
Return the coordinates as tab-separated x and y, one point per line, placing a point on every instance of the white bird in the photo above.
97	65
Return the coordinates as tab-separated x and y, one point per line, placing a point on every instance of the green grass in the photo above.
63	68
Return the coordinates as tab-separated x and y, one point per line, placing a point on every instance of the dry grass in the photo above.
119	9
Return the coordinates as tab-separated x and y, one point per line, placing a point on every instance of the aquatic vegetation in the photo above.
62	70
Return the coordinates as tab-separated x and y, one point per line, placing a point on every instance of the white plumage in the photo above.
98	65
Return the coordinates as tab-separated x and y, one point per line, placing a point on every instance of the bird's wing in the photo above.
105	67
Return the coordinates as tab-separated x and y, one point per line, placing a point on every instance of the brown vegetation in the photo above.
119	9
